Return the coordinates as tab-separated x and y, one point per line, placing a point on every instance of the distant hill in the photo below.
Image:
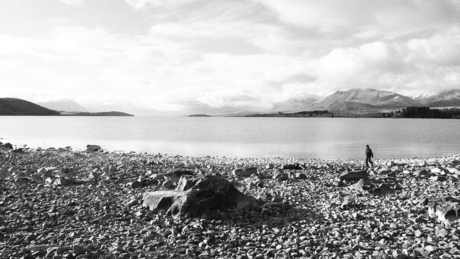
448	98
14	106
112	113
198	115
363	99
294	105
63	105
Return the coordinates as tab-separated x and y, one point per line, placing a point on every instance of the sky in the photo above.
172	57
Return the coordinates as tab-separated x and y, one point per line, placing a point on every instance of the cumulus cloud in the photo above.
409	67
236	55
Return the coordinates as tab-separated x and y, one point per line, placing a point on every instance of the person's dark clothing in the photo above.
369	155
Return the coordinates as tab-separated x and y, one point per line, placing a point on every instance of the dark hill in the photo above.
112	113
14	106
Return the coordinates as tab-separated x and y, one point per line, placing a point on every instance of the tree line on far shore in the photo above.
427	112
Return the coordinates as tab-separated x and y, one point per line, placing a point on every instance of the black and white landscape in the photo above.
229	129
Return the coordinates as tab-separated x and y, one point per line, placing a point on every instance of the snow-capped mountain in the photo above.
363	99
447	98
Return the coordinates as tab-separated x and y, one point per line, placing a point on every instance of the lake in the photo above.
326	138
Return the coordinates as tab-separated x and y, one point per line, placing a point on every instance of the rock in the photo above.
436	170
430	248
292	167
280	176
354	175
240	172
209	193
445	209
438	178
157	177
441	232
384	170
420	173
359	186
6	146
78	249
167	184
175	175
132	202
18	150
185	183
93	148
300	176
456	162
64	181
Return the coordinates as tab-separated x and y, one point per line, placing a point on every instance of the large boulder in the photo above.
197	196
175	175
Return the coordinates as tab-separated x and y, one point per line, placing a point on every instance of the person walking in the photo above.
369	155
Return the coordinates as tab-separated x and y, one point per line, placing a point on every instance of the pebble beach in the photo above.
62	203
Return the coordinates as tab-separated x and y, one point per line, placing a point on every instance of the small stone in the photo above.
430	248
441	233
132	202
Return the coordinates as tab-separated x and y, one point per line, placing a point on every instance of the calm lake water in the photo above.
326	138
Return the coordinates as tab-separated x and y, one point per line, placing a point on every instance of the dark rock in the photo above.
78	249
64	181
240	172
6	145
167	184
209	193
141	183
438	178
301	176
93	148
280	176
293	167
354	175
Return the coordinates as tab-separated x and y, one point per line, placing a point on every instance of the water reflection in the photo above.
240	137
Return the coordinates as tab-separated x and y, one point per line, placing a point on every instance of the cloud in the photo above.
387	18
234	55
72	2
407	67
138	4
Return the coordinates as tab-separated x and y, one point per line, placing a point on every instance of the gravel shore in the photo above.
78	204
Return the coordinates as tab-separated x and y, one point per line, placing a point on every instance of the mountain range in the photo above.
18	107
349	101
368	99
